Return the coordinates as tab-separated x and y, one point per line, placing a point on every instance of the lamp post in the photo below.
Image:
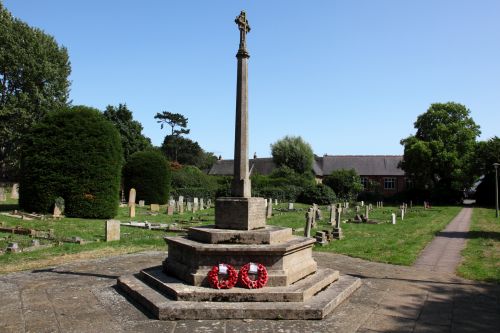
496	187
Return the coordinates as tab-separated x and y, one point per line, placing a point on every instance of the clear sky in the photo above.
349	76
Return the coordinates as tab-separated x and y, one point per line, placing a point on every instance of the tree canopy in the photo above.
34	73
130	130
345	183
293	152
439	156
187	152
173	120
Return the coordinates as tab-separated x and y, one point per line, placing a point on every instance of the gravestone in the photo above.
131	197
141	203
58	207
275	201
180	208
393	216
321	238
411	204
14	194
13	247
332	214
196	205
402	214
319	214
313	215
155	208
290	206
170	210
367	210
358	209
131	210
189	206
269	209
112	231
202	204
337	230
362	203
122	197
3	197
35	243
209	203
309	220
171	202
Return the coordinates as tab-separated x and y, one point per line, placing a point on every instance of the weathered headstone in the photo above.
141	203
202	204
3	197
196	205
332	214
393	216
307	229
338	214
269	209
112	230
313	214
58	207
189	206
402	212
275	201
131	210
362	203
337	230
131	197
319	214
367	210
154	208
290	206
357	209
321	238
209	203
35	242
170	210
180	208
13	247
14	194
411	204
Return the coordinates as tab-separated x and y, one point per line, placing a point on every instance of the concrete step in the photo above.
164	308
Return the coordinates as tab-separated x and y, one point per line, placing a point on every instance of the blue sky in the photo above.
350	77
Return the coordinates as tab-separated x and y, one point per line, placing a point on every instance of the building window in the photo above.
364	181
389	183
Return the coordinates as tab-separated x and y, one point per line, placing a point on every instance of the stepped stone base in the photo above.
267	235
286	262
314	306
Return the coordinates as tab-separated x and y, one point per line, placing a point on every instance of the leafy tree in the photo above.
130	130
187	152
173	120
487	153
293	152
345	183
149	173
74	154
34	72
439	155
319	194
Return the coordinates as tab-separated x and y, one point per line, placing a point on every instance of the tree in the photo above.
187	152
345	183
439	155
487	153
293	152
149	173
130	130
75	154
34	72
173	120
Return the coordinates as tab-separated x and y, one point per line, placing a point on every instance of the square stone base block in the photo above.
240	213
165	308
286	262
268	235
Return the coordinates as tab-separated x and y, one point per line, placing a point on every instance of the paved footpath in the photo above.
443	253
82	297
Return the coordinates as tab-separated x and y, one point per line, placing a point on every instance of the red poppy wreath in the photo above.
261	279
216	282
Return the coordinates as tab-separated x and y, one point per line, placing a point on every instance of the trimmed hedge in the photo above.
76	154
319	194
149	173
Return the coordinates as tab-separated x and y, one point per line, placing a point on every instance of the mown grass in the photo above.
481	257
396	244
383	242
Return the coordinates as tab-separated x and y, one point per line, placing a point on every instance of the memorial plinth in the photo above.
296	288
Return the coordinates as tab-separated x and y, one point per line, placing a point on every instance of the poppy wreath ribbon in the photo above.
261	280
215	282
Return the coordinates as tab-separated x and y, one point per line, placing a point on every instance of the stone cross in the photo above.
241	186
244	28
332	215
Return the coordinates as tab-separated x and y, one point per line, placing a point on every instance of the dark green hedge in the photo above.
319	194
149	173
74	154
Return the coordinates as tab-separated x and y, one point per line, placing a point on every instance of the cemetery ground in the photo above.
382	242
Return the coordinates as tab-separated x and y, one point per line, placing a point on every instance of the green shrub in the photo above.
319	194
74	154
288	193
149	173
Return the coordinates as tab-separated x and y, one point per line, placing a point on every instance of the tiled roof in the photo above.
368	165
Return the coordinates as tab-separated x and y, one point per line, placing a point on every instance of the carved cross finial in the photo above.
244	28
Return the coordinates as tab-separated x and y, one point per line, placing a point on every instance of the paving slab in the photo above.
82	297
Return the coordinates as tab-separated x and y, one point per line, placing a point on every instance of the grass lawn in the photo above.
384	242
481	257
